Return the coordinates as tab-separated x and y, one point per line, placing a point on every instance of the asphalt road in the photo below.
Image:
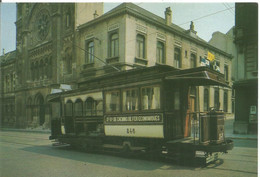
24	154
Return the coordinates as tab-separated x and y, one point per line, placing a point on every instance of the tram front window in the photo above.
112	101
150	98
130	100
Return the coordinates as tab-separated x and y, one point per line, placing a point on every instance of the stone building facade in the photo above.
61	44
225	42
246	79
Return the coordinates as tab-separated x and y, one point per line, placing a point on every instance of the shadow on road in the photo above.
133	163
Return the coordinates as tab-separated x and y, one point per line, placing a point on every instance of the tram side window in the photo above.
112	101
78	108
130	100
150	98
90	107
68	108
56	111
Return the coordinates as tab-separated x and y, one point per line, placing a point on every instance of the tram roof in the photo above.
199	76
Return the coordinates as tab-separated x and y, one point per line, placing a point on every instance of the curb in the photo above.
243	138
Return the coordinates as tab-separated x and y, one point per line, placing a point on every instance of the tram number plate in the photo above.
130	131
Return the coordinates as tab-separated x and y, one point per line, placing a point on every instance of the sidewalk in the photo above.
229	131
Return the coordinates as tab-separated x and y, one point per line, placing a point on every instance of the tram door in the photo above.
191	112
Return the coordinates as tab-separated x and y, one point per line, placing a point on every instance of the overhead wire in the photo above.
206	16
228	8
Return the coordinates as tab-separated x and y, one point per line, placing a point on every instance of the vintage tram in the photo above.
145	109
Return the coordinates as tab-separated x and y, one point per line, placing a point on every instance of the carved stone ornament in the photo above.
42	24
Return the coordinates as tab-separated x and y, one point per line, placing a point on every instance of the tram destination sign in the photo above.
134	118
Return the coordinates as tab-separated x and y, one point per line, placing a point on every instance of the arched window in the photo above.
140	46
90	105
206	99
41	68
78	108
37	70
49	67
177	57
68	108
160	56
46	68
114	45
33	71
90	52
193	60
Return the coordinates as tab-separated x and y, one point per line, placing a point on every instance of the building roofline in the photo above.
132	9
8	58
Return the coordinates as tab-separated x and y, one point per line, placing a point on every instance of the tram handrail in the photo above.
195	124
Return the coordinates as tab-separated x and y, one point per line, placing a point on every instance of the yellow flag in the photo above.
211	57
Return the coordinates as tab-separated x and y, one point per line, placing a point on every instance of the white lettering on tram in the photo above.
150	118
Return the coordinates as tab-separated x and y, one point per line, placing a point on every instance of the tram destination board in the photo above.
149	126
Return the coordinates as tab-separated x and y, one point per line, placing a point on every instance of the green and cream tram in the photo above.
140	109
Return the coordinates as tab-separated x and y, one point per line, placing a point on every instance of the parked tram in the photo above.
146	109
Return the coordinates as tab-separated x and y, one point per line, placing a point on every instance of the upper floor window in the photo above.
140	46
193	60
90	52
114	45
216	66
226	72
177	57
160	56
